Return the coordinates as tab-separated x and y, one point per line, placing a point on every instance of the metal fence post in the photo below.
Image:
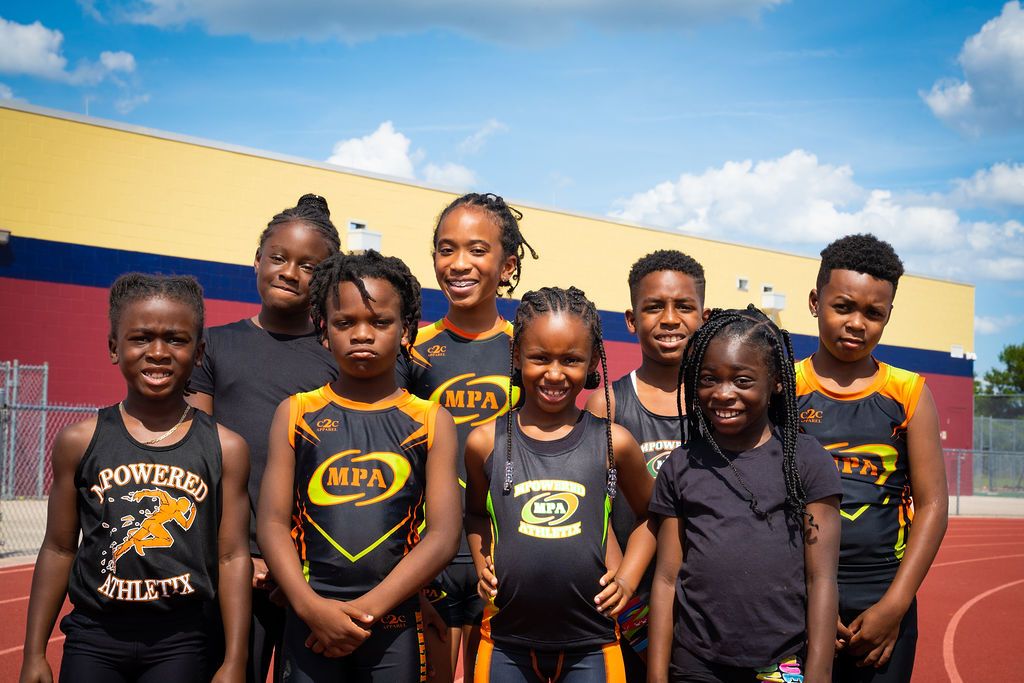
41	452
8	486
959	466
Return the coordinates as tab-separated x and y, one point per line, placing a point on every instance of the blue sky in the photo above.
766	122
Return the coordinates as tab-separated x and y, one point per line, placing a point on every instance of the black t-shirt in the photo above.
249	371
741	592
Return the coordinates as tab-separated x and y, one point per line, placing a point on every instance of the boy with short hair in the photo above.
881	425
666	290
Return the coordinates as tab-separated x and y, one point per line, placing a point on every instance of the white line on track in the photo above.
974	559
948	658
12	650
975	545
15	570
4	602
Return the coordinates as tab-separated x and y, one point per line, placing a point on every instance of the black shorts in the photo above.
854	598
460	605
161	647
689	668
502	664
394	653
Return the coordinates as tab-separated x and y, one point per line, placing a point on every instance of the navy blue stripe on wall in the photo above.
25	258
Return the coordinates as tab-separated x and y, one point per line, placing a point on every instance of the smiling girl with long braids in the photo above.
460	360
541	480
755	505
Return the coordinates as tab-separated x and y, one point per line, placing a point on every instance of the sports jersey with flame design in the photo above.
360	481
866	433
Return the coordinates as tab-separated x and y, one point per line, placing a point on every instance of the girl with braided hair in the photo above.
460	360
755	505
540	483
353	468
280	342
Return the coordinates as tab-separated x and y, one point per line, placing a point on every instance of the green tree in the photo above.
1002	392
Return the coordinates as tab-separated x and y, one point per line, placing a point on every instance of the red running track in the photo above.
970	608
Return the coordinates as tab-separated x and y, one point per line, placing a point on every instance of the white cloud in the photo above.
475	142
994	324
991	94
35	50
796	202
387	151
449	175
128	104
1002	184
5	92
508	21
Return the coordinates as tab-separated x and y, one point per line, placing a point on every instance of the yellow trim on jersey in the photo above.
356	557
902	386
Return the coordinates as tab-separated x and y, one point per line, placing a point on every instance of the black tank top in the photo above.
658	436
149	518
360	480
549	539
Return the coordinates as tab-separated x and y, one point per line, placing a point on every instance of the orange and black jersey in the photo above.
468	375
866	433
360	481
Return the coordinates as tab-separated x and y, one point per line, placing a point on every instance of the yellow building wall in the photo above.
98	184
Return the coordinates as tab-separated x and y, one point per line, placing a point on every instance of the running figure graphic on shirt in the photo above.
151	532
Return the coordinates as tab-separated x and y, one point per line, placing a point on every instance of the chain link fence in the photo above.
28	426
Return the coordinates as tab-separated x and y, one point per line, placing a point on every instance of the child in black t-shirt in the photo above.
251	365
755	504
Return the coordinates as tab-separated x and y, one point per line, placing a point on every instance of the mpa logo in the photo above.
326	424
549	511
436	350
655	463
394	622
348	477
811	415
476	400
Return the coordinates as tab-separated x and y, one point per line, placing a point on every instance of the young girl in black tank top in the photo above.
157	491
353	466
539	494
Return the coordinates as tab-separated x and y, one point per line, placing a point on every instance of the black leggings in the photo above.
145	652
394	653
854	598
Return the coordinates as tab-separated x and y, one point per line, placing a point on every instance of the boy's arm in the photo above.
57	554
234	590
876	629
337	627
636	485
443	522
479	446
821	560
661	622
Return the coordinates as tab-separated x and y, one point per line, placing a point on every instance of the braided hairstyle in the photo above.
132	287
312	210
507	219
551	300
353	268
756	331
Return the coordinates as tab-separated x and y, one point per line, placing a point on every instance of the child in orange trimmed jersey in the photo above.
461	361
352	467
881	426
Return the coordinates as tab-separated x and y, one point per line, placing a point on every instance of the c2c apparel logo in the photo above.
548	512
361	476
326	424
810	415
